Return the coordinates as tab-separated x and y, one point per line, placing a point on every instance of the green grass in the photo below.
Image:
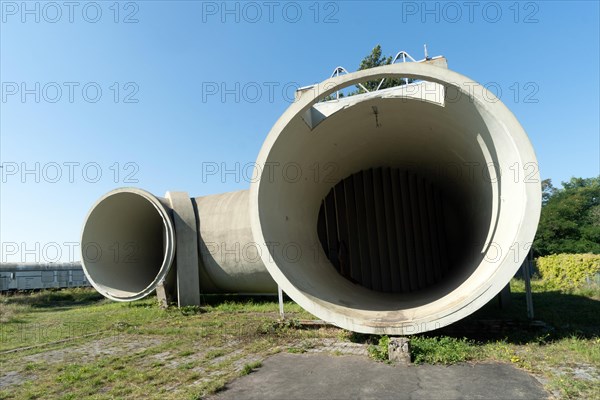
248	368
143	351
567	338
442	350
429	350
215	353
379	351
300	348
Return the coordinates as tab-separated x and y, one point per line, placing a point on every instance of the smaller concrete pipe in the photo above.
130	237
127	244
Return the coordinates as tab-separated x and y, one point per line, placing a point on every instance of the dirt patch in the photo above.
89	351
79	353
13	378
584	372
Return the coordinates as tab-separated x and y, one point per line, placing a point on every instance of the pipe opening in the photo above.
127	244
388	229
401	205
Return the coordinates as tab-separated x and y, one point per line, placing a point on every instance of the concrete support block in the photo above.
186	262
399	350
161	295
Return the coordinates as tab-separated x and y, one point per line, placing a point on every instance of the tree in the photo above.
547	190
374	59
570	219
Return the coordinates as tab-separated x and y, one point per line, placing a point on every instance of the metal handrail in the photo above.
404	55
337	72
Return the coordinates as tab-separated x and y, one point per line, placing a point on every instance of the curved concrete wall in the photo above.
392	212
489	214
229	255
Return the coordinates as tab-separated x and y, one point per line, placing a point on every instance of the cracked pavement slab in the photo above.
319	376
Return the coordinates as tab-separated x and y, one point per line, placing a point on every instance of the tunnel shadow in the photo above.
557	315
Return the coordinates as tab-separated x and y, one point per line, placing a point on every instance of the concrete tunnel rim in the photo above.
524	234
169	245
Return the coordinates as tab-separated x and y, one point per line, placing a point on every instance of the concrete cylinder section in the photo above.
131	239
412	207
231	259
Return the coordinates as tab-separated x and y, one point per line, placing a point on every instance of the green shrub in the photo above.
568	272
441	350
379	352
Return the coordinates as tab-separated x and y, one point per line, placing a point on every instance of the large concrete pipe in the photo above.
397	211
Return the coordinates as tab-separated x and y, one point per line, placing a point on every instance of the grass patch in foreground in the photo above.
442	350
248	368
142	351
137	349
379	351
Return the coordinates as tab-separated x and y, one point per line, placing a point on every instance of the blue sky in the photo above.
134	90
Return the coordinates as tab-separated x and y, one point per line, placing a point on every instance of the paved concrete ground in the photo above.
322	376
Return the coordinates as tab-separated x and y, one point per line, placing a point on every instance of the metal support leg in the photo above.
527	264
280	295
